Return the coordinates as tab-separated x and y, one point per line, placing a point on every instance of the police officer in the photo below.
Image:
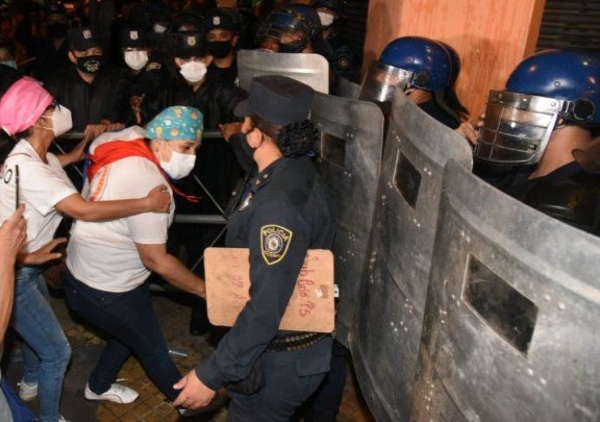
147	89
216	166
221	41
546	114
342	61
285	195
90	88
289	30
422	69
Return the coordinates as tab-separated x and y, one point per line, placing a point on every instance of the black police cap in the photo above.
220	19
190	44
82	38
135	38
277	99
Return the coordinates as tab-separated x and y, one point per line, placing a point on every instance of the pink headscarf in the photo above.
22	104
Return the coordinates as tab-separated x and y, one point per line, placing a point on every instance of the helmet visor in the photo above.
382	81
516	128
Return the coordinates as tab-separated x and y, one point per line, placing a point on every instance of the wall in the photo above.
491	37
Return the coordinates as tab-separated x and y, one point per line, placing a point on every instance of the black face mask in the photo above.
219	49
90	64
57	30
291	48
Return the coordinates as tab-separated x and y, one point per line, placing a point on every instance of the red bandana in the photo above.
110	152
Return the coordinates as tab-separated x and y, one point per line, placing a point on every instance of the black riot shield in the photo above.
311	69
385	341
512	327
349	163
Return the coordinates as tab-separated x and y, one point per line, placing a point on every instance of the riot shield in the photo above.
346	88
385	340
512	326
312	69
349	163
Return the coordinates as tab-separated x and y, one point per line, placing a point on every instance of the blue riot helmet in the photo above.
409	62
286	30
450	96
550	88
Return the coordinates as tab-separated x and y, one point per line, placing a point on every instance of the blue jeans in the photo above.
131	325
290	379
46	352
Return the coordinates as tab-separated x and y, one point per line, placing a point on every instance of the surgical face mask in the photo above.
219	49
9	63
136	59
325	18
89	64
159	29
62	122
180	165
193	71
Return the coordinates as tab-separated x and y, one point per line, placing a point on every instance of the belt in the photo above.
294	342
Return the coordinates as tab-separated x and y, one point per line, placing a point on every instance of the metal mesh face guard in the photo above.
382	81
517	127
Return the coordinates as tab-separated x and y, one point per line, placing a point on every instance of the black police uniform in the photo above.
89	102
216	167
569	194
151	83
228	74
283	213
434	110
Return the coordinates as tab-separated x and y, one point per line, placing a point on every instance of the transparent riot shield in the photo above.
349	163
512	327
312	69
347	89
385	340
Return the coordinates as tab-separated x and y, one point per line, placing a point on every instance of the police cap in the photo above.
82	38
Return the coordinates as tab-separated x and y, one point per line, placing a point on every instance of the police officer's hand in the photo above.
230	129
470	130
194	394
135	102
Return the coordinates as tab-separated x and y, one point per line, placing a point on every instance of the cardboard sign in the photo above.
311	307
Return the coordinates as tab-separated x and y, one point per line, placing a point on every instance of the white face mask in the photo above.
180	165
158	28
193	71
136	59
326	18
62	122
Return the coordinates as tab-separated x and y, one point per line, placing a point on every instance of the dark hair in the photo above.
294	140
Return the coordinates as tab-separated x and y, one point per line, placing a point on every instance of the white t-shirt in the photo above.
103	255
41	187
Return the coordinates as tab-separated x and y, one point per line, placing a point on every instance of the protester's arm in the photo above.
158	200
156	258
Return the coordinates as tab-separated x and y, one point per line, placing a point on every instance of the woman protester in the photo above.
108	262
268	373
35	177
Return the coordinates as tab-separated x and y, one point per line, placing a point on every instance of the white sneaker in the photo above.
117	393
62	419
27	390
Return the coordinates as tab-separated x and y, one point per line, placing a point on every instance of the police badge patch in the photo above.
274	243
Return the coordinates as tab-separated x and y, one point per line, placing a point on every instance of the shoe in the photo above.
27	390
62	419
117	393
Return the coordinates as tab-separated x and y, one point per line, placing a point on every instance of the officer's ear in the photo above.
179	62
235	40
72	57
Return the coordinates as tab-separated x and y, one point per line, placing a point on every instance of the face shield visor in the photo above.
517	127
382	81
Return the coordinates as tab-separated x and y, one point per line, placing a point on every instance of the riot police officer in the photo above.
285	194
422	68
289	30
547	112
